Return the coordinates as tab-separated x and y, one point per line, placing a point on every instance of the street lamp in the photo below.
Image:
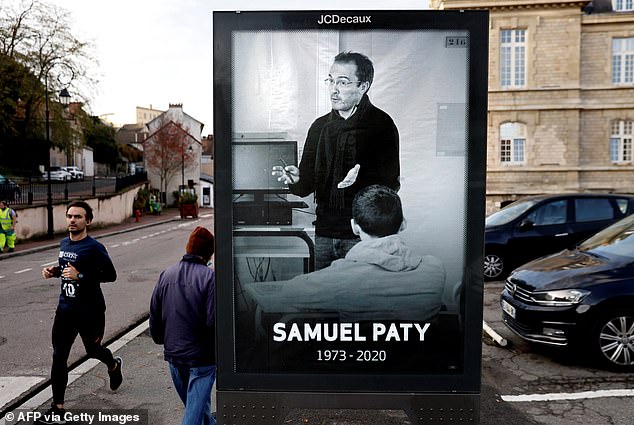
64	98
189	149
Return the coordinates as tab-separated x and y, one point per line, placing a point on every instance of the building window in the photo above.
621	141
513	58
512	143
623	60
622	5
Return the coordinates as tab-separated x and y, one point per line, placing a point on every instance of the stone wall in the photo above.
33	221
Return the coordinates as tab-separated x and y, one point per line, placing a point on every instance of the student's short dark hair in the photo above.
84	205
365	69
378	211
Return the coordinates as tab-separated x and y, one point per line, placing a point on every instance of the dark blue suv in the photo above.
540	225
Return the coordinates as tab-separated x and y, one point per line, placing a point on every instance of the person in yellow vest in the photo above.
8	219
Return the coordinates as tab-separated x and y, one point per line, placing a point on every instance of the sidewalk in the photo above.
168	214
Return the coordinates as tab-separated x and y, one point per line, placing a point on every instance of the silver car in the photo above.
57	174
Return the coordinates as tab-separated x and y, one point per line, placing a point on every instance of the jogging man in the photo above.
83	264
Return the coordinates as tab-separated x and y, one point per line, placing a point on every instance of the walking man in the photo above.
84	264
182	318
8	219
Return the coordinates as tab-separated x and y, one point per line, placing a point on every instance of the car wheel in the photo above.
493	266
613	340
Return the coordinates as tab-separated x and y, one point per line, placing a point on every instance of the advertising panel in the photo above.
349	194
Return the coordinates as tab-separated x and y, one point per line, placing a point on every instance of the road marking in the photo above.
568	396
49	264
23	271
1	277
115	245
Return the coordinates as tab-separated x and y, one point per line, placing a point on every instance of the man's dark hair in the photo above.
365	69
378	211
84	205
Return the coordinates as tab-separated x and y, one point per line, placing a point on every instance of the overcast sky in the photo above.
156	52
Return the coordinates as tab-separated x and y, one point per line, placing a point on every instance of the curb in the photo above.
98	236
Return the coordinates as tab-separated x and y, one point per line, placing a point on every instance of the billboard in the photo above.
322	118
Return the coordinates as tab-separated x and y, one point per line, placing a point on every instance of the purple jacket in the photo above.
182	313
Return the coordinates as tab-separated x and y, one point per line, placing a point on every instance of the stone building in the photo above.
561	96
180	162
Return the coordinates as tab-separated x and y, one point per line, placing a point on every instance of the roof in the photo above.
171	123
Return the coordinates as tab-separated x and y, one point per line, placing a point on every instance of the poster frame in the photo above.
234	385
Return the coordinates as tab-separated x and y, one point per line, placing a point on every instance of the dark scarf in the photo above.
337	152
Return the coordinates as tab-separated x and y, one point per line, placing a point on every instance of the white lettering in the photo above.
312	334
279	329
333	334
28	416
423	330
347	332
392	333
357	334
336	19
378	329
383	333
294	333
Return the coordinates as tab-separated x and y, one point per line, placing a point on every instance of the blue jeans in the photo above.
328	250
193	385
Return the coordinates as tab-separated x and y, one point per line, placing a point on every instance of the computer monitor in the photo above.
252	164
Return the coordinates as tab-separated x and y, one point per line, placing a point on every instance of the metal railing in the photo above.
34	191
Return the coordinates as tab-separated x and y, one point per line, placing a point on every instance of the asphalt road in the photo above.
551	386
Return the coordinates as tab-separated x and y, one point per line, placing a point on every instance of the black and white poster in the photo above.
350	153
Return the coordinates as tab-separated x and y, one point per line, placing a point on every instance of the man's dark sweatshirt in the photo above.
91	259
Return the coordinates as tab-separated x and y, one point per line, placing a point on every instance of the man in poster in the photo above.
380	278
353	146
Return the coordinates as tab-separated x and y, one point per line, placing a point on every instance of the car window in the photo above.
622	204
551	213
593	209
617	239
509	213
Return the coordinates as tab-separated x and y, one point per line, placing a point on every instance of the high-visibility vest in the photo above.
5	219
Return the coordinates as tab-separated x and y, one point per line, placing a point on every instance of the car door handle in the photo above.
561	234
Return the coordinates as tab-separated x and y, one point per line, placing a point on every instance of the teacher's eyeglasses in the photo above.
339	83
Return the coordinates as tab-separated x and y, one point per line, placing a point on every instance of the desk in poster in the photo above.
275	242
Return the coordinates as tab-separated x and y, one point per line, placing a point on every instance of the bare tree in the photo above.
167	152
37	35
